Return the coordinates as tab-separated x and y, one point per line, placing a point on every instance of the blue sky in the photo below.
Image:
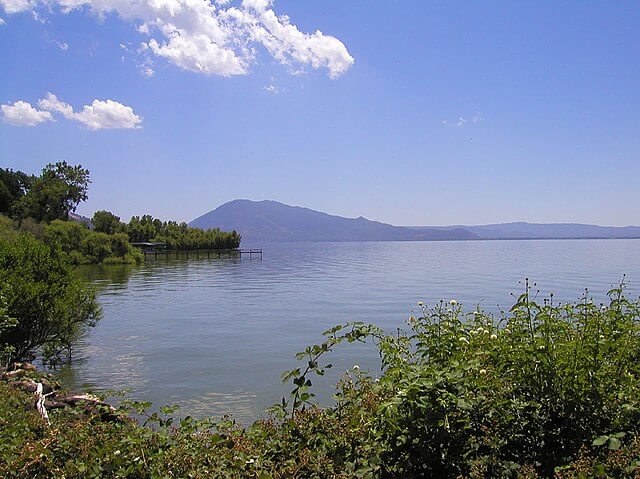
413	112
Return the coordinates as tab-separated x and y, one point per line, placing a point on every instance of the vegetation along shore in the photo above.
41	206
544	390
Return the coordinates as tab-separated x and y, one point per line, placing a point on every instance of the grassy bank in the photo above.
545	390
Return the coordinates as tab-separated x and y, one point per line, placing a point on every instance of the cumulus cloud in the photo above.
100	115
15	6
22	113
288	44
197	53
52	104
108	114
214	37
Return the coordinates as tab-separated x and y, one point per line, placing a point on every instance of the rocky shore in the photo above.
48	394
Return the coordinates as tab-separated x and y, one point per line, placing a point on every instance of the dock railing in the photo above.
201	253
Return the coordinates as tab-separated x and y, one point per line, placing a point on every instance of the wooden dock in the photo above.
201	253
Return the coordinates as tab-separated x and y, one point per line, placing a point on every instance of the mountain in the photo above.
524	230
270	221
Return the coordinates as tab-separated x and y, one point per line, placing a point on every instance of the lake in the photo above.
214	335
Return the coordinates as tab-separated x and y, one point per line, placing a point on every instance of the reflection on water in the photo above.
213	335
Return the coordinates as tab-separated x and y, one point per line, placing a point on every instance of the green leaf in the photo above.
600	441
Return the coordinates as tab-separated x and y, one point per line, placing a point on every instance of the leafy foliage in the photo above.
89	247
543	390
44	305
179	235
106	222
13	186
54	194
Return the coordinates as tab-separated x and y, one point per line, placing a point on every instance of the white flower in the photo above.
494	336
462	339
483	371
453	302
420	303
356	368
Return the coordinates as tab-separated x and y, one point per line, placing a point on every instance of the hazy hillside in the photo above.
522	230
271	221
264	221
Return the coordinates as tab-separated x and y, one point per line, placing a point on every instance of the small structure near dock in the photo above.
147	246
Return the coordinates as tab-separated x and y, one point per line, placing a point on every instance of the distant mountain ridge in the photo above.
523	230
271	221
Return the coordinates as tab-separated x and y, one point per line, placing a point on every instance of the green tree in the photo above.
106	222
6	323
66	235
96	247
120	246
55	193
43	296
13	186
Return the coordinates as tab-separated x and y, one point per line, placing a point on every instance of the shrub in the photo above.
543	390
41	292
468	394
66	235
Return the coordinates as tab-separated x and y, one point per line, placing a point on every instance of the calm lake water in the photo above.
214	335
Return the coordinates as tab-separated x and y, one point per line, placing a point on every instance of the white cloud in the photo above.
462	121
22	113
100	115
52	104
214	37
272	89
198	53
2	22
108	114
288	44
15	6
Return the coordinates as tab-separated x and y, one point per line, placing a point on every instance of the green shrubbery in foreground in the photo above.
44	306
545	390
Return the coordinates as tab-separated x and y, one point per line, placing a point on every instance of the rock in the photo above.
51	404
24	366
28	385
14	374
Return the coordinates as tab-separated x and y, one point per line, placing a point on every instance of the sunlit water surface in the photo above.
214	335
